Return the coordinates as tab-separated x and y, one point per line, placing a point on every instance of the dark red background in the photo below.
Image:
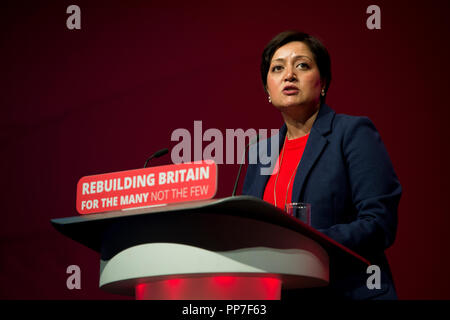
103	98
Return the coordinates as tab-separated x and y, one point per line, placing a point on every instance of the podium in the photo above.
234	248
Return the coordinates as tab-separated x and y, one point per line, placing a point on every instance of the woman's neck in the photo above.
299	122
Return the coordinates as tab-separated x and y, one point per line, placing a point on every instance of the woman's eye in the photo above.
276	68
303	66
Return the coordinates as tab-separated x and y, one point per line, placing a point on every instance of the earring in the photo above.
323	92
270	99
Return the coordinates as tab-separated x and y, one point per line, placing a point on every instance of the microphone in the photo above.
157	154
253	141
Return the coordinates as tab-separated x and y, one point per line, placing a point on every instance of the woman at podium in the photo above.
335	162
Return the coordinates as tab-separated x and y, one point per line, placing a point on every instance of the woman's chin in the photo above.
297	104
289	105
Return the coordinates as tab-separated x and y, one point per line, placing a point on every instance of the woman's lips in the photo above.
290	90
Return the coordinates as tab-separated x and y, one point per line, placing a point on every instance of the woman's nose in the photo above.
290	74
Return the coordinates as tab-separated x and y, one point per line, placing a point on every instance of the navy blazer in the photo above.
346	175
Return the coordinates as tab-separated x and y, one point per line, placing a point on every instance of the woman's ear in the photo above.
268	94
322	85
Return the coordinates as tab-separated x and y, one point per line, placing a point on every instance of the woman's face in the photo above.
293	78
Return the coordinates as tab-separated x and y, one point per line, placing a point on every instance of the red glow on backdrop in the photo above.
170	289
174	284
211	288
271	287
140	290
224	281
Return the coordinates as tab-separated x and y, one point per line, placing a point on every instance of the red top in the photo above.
293	151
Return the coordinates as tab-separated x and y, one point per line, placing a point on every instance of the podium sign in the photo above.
147	187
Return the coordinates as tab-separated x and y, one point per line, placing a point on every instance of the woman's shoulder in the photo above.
356	133
351	123
340	121
347	119
351	128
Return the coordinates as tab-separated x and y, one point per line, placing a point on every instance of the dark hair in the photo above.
320	55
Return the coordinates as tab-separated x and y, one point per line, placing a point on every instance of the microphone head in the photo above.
160	153
157	154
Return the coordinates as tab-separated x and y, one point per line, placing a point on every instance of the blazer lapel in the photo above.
262	179
314	147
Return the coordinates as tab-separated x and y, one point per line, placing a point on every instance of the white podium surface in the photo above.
232	248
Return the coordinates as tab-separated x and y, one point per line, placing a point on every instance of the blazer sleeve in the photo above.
375	191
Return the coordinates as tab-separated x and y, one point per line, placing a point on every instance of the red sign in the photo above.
147	187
